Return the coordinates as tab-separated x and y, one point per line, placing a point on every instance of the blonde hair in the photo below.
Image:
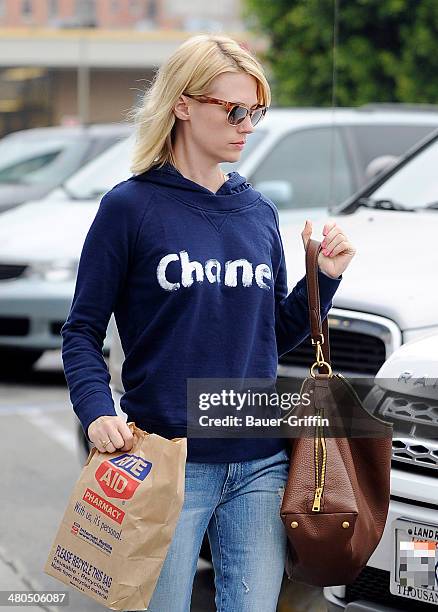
190	69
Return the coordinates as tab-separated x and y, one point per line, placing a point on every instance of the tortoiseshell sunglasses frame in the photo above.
230	106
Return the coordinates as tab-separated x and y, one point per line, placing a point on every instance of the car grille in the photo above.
9	271
14	326
360	343
415	433
350	351
413	410
422	453
372	585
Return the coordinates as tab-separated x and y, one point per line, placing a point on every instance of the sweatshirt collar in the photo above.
234	193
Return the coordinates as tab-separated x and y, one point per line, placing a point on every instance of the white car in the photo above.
304	159
401	575
388	295
35	161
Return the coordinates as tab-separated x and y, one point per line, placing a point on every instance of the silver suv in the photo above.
402	573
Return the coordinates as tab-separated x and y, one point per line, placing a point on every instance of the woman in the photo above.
191	263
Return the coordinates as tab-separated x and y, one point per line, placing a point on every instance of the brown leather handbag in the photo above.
336	498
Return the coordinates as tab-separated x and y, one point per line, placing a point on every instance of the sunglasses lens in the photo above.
257	115
237	115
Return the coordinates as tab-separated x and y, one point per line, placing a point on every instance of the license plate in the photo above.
414	563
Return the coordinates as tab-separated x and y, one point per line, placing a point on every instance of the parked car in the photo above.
35	161
308	160
315	157
384	323
387	296
405	393
40	245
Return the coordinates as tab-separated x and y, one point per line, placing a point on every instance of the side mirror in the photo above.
280	192
378	165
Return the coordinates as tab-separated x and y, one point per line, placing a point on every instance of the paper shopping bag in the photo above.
120	520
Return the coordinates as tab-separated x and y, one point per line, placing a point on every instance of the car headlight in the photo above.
412	370
53	271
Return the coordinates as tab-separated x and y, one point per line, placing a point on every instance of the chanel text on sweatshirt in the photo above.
198	286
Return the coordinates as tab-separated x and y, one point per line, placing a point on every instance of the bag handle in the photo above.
319	332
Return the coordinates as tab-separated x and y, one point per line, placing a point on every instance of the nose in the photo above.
246	127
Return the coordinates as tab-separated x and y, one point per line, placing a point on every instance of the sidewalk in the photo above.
13	578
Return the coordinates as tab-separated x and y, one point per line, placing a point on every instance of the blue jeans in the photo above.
238	504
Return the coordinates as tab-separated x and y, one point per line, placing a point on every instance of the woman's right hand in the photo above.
112	428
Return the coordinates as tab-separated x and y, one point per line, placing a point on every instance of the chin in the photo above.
231	157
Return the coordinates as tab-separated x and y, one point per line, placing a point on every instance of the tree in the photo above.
385	50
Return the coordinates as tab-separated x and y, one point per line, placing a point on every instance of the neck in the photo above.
198	169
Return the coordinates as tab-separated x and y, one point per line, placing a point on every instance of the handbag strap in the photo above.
318	331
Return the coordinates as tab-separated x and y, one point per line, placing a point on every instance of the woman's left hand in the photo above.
336	250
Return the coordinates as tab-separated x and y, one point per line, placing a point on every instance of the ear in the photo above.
181	108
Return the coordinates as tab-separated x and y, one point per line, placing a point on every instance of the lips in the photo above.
239	142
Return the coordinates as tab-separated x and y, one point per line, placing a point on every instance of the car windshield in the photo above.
103	172
112	167
414	186
39	160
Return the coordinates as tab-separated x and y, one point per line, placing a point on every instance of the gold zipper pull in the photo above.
317	500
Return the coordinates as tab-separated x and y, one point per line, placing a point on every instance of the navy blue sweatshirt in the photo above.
197	283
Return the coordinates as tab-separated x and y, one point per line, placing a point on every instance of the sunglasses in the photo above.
236	113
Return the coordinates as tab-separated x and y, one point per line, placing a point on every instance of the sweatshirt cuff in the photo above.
93	406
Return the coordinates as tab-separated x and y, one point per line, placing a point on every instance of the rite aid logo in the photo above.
120	477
